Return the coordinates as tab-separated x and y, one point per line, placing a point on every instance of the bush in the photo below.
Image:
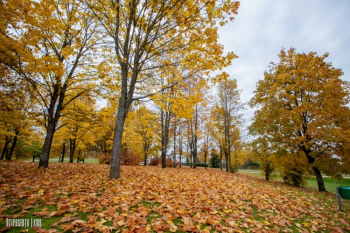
170	163
250	164
155	161
293	177
129	158
267	167
234	167
105	158
215	160
202	165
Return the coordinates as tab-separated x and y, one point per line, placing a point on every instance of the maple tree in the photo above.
16	124
103	128
229	106
48	45
217	131
143	131
303	108
149	39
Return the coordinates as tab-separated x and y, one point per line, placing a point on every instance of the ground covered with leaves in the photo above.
81	198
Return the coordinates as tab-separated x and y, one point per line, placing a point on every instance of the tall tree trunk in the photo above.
195	152
180	144
319	178
174	141
229	143
123	109
195	138
145	152
54	113
45	154
226	158
7	141
63	152
79	154
72	147
12	147
189	143
220	158
165	121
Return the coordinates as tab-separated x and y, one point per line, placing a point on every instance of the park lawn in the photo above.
330	183
81	198
66	160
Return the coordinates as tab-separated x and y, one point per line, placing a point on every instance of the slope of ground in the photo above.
81	198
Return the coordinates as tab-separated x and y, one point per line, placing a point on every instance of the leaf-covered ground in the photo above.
80	198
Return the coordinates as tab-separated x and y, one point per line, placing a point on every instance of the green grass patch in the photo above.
66	160
330	183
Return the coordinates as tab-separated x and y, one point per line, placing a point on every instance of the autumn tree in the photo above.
142	132
261	152
49	44
79	119
303	102
230	104
148	36
217	131
15	121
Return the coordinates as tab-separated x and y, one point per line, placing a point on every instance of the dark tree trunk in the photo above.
165	121
7	141
123	109
72	147
319	178
195	138
163	157
45	154
180	143
220	159
54	113
12	147
195	153
145	151
63	152
79	154
226	157
7	153
145	161
174	141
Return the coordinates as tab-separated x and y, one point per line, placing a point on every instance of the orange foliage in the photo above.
155	161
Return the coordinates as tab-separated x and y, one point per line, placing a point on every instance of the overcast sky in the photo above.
263	27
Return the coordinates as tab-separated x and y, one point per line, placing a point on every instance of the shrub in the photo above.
293	177
129	158
215	160
105	158
201	165
233	167
155	161
170	163
267	167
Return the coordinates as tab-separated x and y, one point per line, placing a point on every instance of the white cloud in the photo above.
263	27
